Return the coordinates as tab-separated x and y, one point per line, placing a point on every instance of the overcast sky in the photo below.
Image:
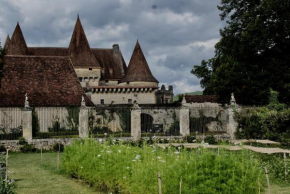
174	34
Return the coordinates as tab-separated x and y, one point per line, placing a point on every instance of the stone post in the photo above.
27	124
27	120
83	120
136	122
232	124
184	119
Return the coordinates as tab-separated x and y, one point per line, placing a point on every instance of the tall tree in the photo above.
252	55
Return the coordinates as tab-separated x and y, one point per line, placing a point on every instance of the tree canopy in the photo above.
252	56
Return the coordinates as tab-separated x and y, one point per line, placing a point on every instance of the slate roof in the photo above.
49	82
200	98
48	51
138	69
17	45
7	42
79	48
108	59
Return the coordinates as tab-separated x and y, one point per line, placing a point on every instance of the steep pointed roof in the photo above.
17	44
7	42
79	48
138	69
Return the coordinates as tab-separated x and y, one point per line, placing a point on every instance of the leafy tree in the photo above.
252	55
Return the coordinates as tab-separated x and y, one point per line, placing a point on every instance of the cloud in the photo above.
174	35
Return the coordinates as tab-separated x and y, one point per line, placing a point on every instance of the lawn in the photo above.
33	178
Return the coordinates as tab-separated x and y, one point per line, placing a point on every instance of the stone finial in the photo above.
233	100
26	103
183	102
135	104
83	102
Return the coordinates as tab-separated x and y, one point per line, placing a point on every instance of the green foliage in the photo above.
58	147
264	123
25	146
56	127
174	128
274	103
35	122
129	169
59	134
252	55
73	118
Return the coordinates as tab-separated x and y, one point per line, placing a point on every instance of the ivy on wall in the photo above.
35	122
73	118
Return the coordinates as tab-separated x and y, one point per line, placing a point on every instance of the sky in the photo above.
174	35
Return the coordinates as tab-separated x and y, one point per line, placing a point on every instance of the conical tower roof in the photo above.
7	42
138	69
79	48
17	44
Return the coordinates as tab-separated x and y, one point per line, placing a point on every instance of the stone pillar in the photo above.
232	124
84	122
184	121
136	122
27	124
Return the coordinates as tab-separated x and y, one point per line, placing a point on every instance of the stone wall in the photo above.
10	118
13	117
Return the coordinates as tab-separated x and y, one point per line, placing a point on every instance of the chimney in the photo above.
116	48
170	88
163	87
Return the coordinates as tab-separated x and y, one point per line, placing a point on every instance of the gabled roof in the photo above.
108	59
79	48
138	69
17	44
49	82
200	98
7	42
48	51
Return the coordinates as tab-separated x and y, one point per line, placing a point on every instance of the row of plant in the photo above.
125	168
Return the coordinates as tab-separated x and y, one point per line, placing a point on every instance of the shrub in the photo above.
25	146
210	139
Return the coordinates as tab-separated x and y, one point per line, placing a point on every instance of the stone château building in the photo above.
54	76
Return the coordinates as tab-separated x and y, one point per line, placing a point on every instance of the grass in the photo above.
33	178
127	169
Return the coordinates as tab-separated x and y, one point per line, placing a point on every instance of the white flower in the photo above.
109	151
177	152
100	140
105	134
99	155
81	167
133	160
102	151
127	167
162	161
119	151
137	157
159	157
128	148
124	177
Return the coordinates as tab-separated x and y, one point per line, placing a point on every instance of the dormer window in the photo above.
90	69
107	81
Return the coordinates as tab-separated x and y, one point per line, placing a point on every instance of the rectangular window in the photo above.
80	79
102	101
90	69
